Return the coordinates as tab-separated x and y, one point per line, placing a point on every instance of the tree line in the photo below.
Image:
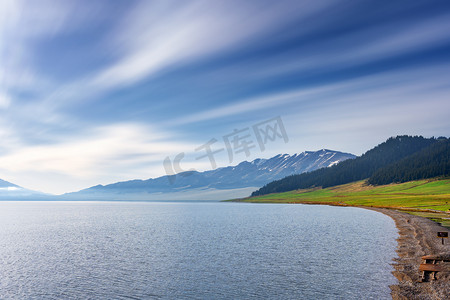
374	161
432	161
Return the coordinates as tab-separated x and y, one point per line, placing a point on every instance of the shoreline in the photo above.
417	237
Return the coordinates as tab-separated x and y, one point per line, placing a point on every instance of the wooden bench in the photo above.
430	266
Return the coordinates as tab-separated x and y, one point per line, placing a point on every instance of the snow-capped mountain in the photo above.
222	183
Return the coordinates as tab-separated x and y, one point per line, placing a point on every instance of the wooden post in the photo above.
442	235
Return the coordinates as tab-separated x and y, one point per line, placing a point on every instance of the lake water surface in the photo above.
129	250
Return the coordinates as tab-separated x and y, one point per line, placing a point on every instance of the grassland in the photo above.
428	198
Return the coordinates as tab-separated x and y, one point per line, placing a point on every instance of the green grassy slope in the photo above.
422	195
426	198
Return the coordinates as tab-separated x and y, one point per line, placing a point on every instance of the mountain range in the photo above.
398	159
219	184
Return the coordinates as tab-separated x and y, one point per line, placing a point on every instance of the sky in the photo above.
95	92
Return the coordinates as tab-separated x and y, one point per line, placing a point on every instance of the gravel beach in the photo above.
417	238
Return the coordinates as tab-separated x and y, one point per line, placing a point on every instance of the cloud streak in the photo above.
386	85
192	31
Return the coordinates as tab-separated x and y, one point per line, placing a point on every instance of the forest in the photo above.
399	159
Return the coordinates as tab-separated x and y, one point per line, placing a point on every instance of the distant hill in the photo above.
11	191
6	184
218	184
362	167
431	161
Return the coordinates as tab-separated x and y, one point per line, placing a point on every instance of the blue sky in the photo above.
102	91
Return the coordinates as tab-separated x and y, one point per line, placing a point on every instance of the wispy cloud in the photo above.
158	35
148	39
353	48
400	84
23	23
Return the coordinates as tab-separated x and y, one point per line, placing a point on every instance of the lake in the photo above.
156	250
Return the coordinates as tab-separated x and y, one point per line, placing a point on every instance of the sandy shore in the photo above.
417	238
